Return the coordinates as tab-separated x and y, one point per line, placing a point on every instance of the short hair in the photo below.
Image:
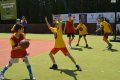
17	27
80	20
101	17
23	16
69	14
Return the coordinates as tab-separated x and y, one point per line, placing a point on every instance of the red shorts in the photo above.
64	50
106	35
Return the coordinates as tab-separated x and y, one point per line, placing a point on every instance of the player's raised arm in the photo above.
12	29
46	20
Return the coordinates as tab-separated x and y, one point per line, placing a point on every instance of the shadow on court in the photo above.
112	50
68	72
86	47
79	49
5	79
25	79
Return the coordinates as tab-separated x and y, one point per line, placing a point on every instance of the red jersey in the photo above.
19	53
69	28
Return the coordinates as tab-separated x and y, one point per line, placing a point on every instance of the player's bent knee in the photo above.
104	39
68	54
26	61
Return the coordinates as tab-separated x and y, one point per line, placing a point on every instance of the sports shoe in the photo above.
70	46
1	76
78	67
109	46
32	77
77	44
86	45
54	66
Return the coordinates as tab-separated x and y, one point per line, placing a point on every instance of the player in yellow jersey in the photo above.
82	32
59	45
106	27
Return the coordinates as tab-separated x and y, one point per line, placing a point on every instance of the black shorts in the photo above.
82	35
71	35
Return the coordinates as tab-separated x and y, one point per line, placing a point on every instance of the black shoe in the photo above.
54	66
86	46
77	44
78	68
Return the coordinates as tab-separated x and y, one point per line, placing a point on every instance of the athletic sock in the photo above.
29	69
4	69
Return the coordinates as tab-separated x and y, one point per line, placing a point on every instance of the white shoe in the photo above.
32	77
70	47
1	76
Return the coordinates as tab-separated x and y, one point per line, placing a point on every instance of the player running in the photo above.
106	27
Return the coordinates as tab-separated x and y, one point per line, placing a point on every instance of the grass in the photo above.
97	62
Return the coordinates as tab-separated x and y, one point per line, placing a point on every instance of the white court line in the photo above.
86	70
118	71
102	71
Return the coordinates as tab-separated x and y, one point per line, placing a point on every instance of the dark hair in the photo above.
23	16
17	27
101	17
69	14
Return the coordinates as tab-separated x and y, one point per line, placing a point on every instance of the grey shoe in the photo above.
2	76
107	47
32	77
110	46
70	47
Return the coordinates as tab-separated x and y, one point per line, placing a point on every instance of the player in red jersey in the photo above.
17	51
69	29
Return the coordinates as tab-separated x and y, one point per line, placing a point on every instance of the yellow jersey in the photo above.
105	26
59	42
82	29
